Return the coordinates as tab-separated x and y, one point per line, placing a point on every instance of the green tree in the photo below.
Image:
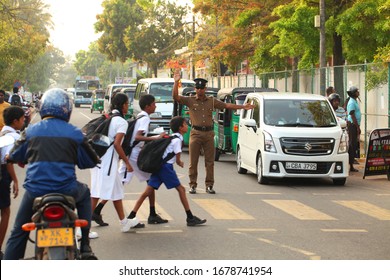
141	30
88	62
24	36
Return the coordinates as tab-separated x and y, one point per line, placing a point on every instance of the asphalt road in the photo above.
292	219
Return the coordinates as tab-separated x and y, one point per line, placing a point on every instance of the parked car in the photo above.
292	135
226	121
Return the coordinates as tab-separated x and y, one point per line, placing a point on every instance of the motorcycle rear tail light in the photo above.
54	212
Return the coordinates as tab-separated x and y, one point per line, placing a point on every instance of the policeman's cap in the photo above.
200	83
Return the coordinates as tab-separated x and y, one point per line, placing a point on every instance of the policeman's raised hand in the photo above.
176	75
248	106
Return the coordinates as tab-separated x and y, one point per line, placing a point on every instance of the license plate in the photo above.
53	237
301	165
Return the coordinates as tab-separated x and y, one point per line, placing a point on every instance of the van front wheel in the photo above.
240	170
260	178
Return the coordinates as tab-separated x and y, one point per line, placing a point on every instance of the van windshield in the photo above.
162	92
298	113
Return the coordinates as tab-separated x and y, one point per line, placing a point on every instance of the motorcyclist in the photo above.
51	148
334	100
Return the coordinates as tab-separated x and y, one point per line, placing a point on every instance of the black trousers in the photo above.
353	141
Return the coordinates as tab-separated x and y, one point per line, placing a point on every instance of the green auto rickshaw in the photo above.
226	122
97	100
182	110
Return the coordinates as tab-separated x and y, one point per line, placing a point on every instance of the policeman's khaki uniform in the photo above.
202	135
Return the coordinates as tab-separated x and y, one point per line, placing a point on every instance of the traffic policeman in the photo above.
201	109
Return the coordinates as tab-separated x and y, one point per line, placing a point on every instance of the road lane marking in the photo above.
252	229
159	231
311	255
343	230
143	211
222	209
263	193
86	116
366	208
299	210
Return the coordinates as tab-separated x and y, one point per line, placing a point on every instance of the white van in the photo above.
110	89
161	89
291	135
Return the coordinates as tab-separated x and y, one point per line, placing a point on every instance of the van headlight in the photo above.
269	145
343	147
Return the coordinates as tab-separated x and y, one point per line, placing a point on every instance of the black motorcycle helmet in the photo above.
334	96
352	91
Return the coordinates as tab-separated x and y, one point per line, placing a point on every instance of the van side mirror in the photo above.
251	123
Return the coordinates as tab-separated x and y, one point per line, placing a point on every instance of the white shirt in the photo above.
10	97
6	150
142	124
174	146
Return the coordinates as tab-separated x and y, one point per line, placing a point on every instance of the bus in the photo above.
83	88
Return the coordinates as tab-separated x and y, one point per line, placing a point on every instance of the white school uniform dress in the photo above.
105	181
143	125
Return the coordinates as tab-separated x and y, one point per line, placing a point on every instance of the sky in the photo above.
73	22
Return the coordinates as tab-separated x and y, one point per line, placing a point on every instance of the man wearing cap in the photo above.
201	109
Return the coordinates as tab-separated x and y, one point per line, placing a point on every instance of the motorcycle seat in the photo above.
54	197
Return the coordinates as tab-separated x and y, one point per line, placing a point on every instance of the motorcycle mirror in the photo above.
6	140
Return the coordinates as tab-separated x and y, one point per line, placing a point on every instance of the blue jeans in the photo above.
16	244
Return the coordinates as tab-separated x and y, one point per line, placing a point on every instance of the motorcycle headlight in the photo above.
269	144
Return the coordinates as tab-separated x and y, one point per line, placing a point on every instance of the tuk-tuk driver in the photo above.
201	109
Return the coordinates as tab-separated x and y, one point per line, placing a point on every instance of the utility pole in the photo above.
193	46
322	48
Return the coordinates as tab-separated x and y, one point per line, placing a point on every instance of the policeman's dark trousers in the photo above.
199	140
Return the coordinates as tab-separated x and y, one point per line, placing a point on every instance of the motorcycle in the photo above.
55	222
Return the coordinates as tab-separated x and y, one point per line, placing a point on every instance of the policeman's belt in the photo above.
203	128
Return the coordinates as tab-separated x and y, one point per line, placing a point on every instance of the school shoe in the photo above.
353	169
210	190
139	225
129	224
91	234
98	219
156	220
195	221
192	190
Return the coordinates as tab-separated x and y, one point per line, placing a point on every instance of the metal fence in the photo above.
372	79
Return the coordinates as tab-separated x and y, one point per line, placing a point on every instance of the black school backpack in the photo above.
99	125
150	159
126	144
16	100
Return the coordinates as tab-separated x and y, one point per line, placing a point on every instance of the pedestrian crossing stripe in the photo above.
221	209
366	208
143	211
299	210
